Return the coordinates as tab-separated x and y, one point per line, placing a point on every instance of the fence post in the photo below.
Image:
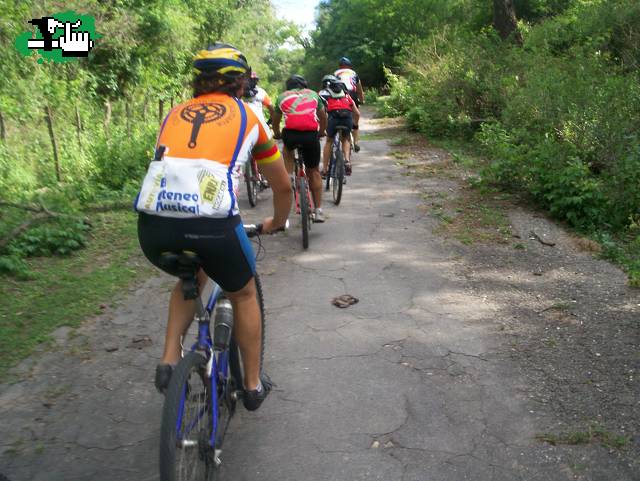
49	118
107	116
145	106
78	125
127	107
3	131
160	110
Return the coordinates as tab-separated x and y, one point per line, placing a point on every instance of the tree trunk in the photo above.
504	20
49	118
107	116
3	131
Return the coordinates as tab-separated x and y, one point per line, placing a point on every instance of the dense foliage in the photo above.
105	110
558	117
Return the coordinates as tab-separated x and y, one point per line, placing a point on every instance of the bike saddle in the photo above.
184	265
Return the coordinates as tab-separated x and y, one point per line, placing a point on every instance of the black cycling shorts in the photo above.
307	143
343	118
222	245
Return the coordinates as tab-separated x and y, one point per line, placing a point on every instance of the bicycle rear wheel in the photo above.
305	211
185	454
338	177
332	162
251	179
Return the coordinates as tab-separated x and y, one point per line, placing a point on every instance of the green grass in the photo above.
400	141
375	135
621	249
594	434
64	291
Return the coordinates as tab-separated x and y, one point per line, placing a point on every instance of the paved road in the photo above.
408	384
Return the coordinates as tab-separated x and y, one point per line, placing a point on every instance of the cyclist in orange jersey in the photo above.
188	201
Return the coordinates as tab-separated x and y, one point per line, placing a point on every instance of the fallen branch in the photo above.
30	208
109	207
91	208
41	213
21	229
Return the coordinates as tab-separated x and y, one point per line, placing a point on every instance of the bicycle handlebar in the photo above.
254	230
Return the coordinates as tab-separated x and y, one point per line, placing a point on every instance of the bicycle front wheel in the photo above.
305	211
185	453
338	177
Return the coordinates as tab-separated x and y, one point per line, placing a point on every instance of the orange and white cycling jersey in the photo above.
208	139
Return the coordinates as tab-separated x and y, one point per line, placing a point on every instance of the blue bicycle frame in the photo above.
217	368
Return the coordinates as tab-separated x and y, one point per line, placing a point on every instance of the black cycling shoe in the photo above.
253	399
347	168
163	376
356	147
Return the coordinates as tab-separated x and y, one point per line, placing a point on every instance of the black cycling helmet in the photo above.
346	62
296	82
223	59
327	79
337	86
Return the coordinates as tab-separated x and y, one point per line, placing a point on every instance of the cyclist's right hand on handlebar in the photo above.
277	135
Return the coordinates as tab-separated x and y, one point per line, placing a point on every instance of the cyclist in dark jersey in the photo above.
342	111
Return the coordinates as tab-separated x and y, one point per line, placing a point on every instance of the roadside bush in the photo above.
59	238
454	83
557	118
121	158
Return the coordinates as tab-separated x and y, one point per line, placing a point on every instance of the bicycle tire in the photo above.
251	179
177	463
330	169
304	212
338	177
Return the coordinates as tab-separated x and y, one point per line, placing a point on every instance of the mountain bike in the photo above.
336	172
303	197
207	382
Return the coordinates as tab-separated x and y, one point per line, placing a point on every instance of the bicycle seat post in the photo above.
186	265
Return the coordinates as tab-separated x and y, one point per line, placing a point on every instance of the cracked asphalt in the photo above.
412	383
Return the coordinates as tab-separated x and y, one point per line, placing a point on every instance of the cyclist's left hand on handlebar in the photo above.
269	227
322	134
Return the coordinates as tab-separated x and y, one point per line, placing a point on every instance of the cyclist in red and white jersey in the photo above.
305	121
352	82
